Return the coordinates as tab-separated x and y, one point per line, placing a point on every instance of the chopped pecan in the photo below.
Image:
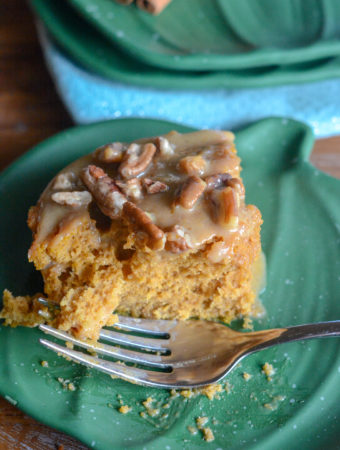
110	153
217	180
131	188
64	181
170	178
237	185
224	206
154	187
96	172
136	159
75	199
103	188
190	192
164	146
177	240
222	159
144	223
192	165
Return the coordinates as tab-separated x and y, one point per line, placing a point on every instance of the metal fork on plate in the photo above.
176	354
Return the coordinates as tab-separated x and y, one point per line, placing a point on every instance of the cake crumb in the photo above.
44	363
148	402
112	320
174	393
124	409
187	393
201	421
192	430
208	435
246	376
69	345
268	370
211	390
269	406
273	405
227	387
66	384
147	405
248	323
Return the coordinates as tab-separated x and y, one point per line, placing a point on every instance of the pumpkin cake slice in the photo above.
156	228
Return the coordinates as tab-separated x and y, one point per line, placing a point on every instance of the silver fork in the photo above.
182	354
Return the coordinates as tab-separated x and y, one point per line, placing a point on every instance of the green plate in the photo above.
220	34
301	238
96	53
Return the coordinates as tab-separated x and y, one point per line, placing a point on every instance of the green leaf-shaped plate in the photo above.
220	34
301	238
97	54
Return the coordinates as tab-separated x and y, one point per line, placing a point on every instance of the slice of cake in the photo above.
156	228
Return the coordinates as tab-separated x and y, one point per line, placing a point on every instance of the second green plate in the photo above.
220	34
93	51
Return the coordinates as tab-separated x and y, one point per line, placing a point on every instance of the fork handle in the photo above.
299	333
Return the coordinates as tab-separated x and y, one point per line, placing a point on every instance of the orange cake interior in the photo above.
156	228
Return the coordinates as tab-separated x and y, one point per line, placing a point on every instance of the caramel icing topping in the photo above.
177	157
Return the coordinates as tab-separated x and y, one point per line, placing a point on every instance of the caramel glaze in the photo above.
218	152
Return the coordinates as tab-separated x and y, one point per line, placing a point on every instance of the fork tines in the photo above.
151	350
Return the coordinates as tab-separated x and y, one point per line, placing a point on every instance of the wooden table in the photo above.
30	111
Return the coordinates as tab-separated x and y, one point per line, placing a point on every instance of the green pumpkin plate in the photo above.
93	51
220	34
298	408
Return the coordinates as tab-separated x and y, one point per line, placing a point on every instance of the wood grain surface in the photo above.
30	111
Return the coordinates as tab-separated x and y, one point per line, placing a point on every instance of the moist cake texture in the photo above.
156	228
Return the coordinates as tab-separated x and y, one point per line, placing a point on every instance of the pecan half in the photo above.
143	222
177	241
190	192
164	146
224	206
217	180
110	153
136	159
154	187
103	188
76	199
192	165
131	188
